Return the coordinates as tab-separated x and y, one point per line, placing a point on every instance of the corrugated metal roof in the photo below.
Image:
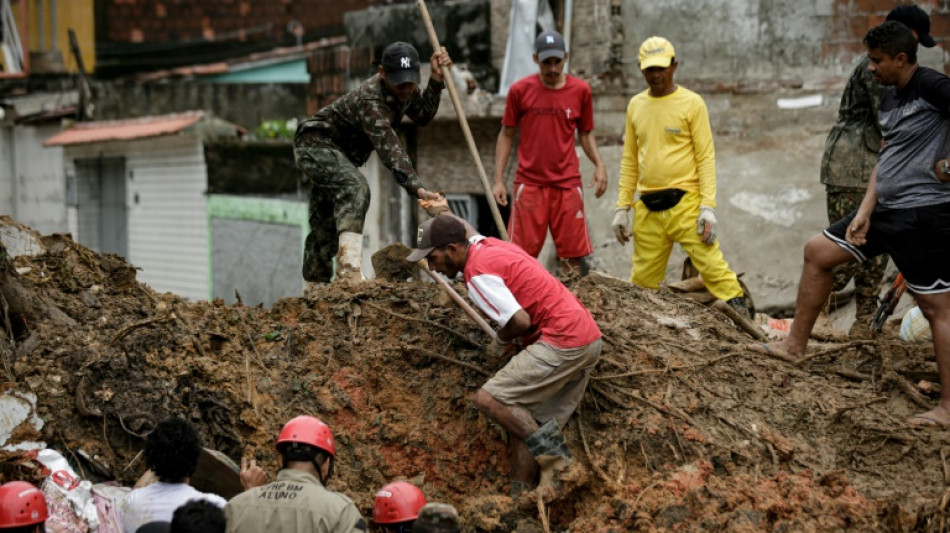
124	130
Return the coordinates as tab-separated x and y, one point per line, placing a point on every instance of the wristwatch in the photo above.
945	168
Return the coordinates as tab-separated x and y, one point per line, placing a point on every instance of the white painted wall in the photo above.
32	186
168	225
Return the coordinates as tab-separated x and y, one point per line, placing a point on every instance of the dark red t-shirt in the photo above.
547	119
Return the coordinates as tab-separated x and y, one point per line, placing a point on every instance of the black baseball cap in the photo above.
916	19
401	63
549	44
435	232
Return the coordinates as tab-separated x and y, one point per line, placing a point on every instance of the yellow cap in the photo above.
656	52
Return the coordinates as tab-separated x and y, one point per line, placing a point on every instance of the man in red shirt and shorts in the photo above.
548	108
535	393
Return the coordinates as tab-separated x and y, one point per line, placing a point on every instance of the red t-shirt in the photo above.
547	119
502	278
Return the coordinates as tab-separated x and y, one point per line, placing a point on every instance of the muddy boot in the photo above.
550	450
350	257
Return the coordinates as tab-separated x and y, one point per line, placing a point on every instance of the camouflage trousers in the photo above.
339	199
841	201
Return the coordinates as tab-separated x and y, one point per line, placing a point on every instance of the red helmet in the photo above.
398	502
21	504
308	430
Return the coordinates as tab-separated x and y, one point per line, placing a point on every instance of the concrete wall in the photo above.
167	220
32	182
256	248
245	104
7	170
725	45
745	45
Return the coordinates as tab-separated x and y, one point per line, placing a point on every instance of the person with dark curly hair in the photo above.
171	453
198	516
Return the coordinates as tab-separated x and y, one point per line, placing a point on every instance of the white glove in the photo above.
621	224
706	225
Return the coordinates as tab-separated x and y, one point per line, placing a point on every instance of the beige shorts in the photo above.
549	382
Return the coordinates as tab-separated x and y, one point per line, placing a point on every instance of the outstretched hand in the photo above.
435	206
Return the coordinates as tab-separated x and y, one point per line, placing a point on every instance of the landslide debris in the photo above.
682	427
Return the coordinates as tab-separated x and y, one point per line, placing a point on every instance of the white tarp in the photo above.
526	16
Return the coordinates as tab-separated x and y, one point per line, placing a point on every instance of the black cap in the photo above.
437	518
916	19
549	44
401	63
435	232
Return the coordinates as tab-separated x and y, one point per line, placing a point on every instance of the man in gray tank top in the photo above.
906	211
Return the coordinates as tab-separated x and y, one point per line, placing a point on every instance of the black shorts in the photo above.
917	239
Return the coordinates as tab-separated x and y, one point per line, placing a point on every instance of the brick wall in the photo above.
241	20
851	19
331	73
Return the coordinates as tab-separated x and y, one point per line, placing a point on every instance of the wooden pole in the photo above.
469	310
463	122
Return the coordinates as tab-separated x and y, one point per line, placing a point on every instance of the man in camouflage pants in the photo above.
851	152
331	146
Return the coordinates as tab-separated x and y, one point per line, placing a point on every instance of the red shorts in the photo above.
536	208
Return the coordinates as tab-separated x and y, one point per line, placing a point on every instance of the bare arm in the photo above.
589	144
519	323
502	153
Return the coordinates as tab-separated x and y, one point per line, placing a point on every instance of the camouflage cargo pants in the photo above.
867	275
339	199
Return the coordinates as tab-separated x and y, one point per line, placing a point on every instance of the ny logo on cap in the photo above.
419	234
404	62
549	39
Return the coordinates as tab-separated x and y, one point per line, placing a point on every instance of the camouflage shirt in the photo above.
363	120
853	144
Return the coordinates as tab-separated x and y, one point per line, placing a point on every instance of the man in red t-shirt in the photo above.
536	392
548	108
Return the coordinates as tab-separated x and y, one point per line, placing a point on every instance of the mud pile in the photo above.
682	428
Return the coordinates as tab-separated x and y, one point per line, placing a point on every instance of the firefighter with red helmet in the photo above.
22	508
299	500
397	506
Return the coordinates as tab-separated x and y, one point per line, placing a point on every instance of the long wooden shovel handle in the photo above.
469	310
463	122
742	321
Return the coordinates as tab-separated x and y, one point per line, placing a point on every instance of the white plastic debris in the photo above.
64	479
914	327
800	103
16	408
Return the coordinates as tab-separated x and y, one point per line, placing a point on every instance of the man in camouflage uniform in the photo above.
331	145
851	152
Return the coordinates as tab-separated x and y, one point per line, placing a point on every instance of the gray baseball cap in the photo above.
550	44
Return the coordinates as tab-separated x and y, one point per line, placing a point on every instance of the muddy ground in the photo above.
682	427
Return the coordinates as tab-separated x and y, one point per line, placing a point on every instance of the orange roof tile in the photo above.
124	130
